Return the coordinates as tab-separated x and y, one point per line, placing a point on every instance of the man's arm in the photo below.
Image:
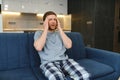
66	40
40	42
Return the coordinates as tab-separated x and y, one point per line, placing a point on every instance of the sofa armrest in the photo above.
107	57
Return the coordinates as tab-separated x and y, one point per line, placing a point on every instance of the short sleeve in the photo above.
37	34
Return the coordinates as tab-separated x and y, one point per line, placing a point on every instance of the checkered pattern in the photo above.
56	70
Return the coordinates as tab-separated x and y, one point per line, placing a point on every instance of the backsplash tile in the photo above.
28	20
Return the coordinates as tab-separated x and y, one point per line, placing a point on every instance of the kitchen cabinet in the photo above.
59	6
31	22
11	6
0	1
26	6
36	6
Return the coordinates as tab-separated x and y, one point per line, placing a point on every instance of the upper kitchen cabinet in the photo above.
0	1
13	5
59	6
35	6
28	6
25	6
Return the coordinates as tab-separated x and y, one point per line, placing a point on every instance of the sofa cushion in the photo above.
38	72
78	49
34	57
17	74
96	69
13	51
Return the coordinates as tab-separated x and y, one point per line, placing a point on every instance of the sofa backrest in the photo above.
34	57
78	49
13	51
76	52
17	50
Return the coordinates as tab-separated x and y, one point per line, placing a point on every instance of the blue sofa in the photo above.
20	61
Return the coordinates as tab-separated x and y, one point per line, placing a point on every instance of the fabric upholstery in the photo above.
17	74
34	57
13	51
95	68
78	49
20	61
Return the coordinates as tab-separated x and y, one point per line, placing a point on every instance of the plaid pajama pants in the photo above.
56	70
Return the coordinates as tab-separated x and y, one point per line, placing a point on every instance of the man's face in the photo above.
52	22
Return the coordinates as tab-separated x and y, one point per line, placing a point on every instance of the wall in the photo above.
94	19
31	22
25	20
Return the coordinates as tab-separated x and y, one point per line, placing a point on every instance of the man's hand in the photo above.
45	24
66	40
58	25
40	42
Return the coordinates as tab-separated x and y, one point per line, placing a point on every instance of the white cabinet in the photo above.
18	5
9	5
59	6
29	6
0	1
36	6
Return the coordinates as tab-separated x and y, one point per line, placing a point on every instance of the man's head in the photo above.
52	19
47	14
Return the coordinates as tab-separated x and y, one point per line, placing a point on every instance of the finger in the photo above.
58	22
46	20
45	23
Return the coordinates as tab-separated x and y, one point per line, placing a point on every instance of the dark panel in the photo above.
73	6
94	19
104	24
83	19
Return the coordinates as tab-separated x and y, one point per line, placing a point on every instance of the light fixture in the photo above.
40	15
60	15
6	7
10	13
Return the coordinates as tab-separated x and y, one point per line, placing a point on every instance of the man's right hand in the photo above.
45	24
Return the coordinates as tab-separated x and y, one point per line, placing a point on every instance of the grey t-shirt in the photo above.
54	48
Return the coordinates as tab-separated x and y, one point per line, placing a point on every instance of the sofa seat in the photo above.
38	72
95	68
17	74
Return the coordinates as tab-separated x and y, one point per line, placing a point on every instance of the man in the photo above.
51	44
